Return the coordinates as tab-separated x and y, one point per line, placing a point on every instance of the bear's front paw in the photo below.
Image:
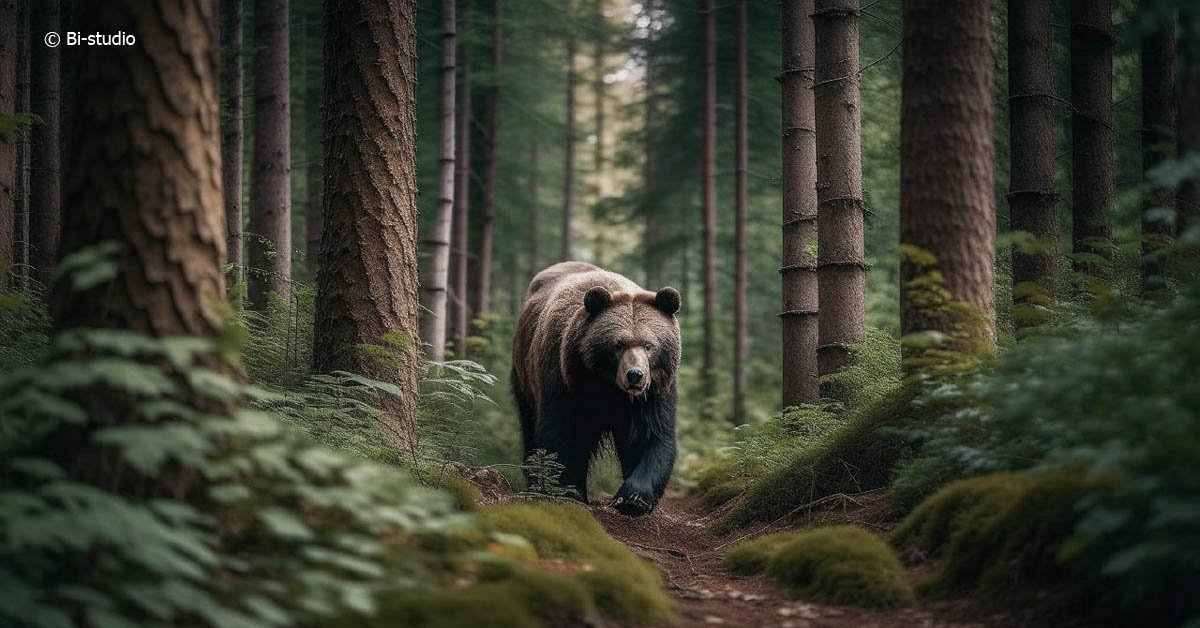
633	502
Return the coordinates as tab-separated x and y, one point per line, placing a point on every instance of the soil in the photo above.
676	537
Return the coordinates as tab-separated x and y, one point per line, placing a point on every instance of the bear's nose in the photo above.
634	376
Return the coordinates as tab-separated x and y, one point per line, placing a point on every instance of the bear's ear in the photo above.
667	300
597	300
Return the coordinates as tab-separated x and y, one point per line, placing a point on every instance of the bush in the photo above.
750	558
842	565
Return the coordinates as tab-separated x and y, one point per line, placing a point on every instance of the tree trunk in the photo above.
21	178
45	191
314	90
8	142
1158	145
841	265
270	247
708	194
598	95
569	155
367	291
739	220
799	270
947	204
460	311
535	240
487	228
169	279
1032	201
1092	137
1189	101
652	230
232	137
433	325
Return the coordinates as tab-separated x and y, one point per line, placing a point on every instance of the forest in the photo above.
611	313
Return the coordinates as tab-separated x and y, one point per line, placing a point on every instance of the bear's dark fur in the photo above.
595	354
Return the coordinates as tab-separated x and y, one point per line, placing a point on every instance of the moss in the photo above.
717	484
855	458
933	522
749	558
467	495
1003	536
621	585
842	565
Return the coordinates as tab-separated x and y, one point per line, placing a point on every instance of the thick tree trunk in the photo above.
367	291
45	191
708	194
739	219
1189	101
460	316
433	325
314	90
569	156
20	236
841	265
270	238
1032	201
232	137
947	205
1092	136
487	227
1158	145
799	269
172	237
8	142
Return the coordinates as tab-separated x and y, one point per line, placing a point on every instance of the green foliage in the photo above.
843	565
931	526
543	470
24	322
621	585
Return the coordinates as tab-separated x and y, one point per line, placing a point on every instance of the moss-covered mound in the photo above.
534	565
622	585
842	565
751	557
717	483
1005	536
857	457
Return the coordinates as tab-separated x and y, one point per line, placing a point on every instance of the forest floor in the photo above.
676	537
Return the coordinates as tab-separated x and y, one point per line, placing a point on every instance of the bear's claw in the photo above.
632	504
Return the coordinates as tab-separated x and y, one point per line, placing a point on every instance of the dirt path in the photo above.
676	538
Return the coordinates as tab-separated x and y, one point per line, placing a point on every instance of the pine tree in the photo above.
8	141
436	284
947	205
460	304
1092	136
708	192
739	238
799	269
568	208
1032	201
487	228
367	291
1158	145
232	136
270	238
45	187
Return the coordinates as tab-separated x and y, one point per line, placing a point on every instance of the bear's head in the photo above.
631	338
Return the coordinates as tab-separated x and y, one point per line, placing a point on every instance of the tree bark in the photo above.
169	275
487	227
433	325
8	142
270	239
232	137
21	176
1158	145
799	269
1189	101
1032	201
45	187
569	155
841	265
739	219
947	210
368	290
460	311
598	95
652	231
1092	136
313	89
708	193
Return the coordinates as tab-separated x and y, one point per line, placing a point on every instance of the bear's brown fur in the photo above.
595	354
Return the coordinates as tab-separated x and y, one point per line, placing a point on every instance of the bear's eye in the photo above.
649	346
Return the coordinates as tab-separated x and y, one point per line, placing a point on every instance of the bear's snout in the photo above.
633	373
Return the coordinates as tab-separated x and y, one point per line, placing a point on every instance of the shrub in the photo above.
842	565
749	558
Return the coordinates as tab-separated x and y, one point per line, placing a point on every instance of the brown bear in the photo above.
594	354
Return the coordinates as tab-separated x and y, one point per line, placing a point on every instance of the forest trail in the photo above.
676	537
